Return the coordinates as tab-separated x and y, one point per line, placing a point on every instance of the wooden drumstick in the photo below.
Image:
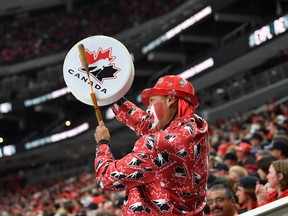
84	62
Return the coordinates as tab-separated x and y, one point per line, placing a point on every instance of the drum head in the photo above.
111	70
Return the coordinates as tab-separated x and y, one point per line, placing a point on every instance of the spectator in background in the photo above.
279	149
263	169
264	132
256	141
214	148
246	193
79	209
224	145
118	205
278	180
46	209
213	159
257	123
245	157
284	108
97	196
235	173
230	159
273	130
92	208
219	169
66	209
108	207
263	153
221	201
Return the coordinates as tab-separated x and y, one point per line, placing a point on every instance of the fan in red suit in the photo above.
166	173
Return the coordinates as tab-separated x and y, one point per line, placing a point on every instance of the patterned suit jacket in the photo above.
166	173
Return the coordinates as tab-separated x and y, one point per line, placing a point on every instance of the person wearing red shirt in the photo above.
166	173
225	144
245	157
278	180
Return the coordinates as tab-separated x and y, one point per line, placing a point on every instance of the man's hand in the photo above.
101	132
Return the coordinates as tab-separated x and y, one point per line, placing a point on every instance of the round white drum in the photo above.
111	70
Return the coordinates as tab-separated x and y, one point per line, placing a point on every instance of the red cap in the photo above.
245	147
223	148
98	199
171	85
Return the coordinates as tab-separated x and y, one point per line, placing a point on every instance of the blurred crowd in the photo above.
248	160
56	31
248	164
248	168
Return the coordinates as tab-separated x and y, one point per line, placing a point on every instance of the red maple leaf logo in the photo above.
101	65
93	57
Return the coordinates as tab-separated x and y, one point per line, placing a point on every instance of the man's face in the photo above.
219	204
159	109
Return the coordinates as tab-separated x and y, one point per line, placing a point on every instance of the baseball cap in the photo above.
219	166
257	136
245	147
279	145
230	156
263	153
248	182
263	144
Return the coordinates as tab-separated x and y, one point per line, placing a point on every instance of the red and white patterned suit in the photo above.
166	173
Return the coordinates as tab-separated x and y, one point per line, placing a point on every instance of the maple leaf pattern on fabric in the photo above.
166	173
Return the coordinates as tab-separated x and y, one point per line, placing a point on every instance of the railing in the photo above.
276	208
